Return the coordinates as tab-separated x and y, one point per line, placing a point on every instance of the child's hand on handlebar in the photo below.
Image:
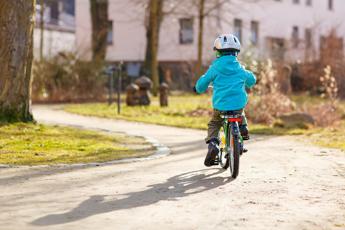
194	89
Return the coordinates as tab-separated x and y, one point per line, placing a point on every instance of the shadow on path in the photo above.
175	187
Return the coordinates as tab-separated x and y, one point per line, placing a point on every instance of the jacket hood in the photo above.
226	65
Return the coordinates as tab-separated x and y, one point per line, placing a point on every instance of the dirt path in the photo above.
283	184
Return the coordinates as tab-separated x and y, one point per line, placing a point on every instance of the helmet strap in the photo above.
226	53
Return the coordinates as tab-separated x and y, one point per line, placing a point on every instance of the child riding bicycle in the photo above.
229	79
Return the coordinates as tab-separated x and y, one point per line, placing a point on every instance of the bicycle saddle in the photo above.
230	114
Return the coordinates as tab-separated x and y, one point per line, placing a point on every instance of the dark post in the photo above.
163	94
111	83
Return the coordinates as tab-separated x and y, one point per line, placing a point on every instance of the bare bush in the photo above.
329	86
266	108
267	83
306	76
64	78
324	114
268	102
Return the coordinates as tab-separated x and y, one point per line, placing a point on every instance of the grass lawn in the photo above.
176	114
30	144
179	114
330	137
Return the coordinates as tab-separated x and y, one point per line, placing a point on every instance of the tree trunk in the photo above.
41	29
99	23
152	36
201	16
16	54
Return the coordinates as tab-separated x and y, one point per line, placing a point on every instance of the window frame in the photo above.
186	41
239	33
110	30
254	29
295	36
330	5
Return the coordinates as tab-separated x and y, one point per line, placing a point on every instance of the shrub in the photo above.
324	114
64	78
266	108
306	76
329	86
267	102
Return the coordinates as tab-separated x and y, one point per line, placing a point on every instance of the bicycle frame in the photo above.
232	144
231	128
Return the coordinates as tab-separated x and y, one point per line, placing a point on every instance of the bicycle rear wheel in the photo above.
234	156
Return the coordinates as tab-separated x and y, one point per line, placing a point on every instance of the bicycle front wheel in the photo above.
224	159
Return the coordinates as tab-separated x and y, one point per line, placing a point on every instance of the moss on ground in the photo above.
30	144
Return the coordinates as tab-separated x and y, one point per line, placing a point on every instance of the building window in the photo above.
308	38
295	36
110	33
330	4
254	36
309	2
69	7
238	29
54	12
296	1
186	31
276	48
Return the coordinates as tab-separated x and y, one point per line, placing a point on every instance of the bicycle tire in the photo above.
222	164
234	152
236	158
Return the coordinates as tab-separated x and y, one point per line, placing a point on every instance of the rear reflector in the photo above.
234	119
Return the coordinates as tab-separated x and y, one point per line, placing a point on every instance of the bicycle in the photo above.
232	144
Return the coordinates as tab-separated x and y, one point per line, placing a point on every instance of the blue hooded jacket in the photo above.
229	80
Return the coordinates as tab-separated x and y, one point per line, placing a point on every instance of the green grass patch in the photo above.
303	99
331	137
176	114
180	108
30	144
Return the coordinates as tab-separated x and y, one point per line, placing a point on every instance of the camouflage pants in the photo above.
216	123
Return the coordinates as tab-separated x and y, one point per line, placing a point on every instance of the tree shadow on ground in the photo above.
175	187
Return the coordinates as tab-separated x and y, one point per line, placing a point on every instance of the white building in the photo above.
271	28
59	28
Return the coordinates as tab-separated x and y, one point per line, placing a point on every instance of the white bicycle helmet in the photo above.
227	42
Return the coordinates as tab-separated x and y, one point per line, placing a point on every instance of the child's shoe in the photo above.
213	150
244	132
